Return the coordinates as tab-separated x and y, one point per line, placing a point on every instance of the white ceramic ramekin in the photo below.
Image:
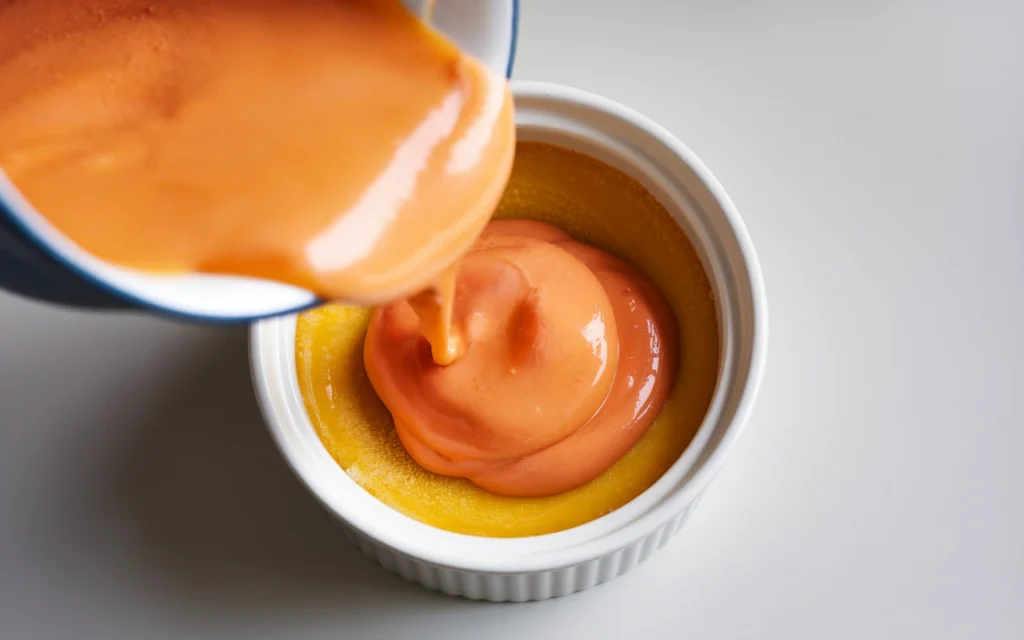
541	567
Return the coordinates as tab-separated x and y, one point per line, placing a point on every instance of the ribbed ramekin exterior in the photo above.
558	115
520	587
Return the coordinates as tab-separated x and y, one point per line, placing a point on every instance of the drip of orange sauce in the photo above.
434	306
567	354
338	145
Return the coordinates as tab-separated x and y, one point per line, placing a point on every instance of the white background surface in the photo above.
876	150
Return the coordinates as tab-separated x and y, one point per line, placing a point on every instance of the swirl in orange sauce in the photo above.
563	356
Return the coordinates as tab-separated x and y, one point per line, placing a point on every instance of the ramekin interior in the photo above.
675	176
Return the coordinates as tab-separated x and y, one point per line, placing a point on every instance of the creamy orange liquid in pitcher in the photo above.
338	145
344	147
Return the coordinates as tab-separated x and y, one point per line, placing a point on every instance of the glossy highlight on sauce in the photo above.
565	356
597	205
337	145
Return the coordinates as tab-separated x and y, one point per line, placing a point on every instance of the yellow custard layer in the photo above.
598	205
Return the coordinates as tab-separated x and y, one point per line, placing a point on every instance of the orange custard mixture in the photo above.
593	204
557	357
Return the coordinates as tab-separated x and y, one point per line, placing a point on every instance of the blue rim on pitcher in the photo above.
32	265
